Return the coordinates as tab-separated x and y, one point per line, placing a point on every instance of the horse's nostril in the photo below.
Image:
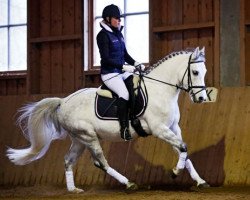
201	99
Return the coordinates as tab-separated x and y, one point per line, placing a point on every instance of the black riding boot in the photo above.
135	122
123	118
130	86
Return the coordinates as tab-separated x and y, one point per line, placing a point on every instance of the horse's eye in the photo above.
196	73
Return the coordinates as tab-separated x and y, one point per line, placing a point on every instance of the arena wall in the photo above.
217	135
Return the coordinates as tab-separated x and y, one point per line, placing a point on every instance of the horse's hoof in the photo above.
77	190
173	175
203	185
132	186
175	172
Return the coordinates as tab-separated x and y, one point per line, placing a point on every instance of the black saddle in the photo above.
106	101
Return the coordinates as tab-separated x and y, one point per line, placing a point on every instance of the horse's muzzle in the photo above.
200	99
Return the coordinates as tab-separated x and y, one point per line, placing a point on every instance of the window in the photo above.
136	27
13	34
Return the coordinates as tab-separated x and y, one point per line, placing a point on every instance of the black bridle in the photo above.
190	84
190	87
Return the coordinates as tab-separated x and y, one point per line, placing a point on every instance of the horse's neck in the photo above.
169	72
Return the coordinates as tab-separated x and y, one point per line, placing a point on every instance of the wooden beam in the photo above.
92	72
183	27
216	70
13	75
55	38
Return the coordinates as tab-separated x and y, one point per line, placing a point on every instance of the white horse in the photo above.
53	118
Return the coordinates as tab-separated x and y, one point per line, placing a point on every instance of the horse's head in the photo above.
195	75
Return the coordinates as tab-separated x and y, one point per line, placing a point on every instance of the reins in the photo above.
190	85
177	86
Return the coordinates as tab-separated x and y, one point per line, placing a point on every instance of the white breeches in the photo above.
115	82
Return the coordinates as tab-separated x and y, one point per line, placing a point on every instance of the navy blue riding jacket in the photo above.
112	49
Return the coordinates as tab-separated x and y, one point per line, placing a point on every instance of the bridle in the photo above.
190	87
190	84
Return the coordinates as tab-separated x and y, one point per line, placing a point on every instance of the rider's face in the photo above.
115	22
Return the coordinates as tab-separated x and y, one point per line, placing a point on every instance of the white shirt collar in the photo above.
106	27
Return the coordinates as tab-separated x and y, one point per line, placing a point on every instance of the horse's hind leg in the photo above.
101	162
70	158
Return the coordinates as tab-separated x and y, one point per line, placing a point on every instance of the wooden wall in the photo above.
182	24
217	136
12	84
55	43
55	46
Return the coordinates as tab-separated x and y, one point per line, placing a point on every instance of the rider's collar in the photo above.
108	28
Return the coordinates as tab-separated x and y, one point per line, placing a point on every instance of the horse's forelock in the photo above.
199	58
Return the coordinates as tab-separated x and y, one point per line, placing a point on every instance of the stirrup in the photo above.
125	134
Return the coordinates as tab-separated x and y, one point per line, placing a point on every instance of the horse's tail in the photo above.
40	125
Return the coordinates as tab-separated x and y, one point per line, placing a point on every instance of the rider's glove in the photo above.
139	65
128	68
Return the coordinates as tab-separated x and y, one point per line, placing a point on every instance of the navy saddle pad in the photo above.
106	103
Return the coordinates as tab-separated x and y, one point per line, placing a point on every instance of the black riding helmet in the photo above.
111	11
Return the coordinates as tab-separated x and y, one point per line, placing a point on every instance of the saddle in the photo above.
106	101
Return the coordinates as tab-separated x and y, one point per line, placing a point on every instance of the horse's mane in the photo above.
167	57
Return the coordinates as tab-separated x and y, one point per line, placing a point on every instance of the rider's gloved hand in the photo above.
139	65
128	68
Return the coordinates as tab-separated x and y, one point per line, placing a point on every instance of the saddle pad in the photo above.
106	108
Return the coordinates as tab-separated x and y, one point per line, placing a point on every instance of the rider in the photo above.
115	75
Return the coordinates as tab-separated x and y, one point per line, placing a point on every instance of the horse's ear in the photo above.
196	53
202	51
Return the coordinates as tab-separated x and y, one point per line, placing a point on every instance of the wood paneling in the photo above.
216	135
78	59
182	24
56	48
55	41
13	85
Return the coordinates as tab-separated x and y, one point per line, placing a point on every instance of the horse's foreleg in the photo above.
71	157
181	162
101	162
182	155
166	134
191	170
194	175
187	162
